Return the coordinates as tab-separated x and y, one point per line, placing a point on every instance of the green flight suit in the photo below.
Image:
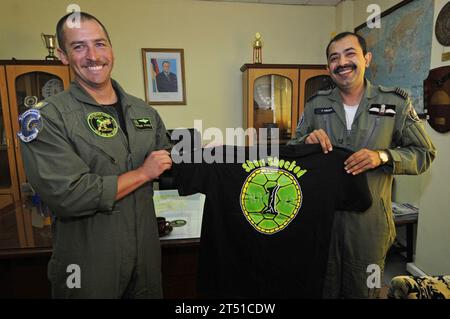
74	164
385	120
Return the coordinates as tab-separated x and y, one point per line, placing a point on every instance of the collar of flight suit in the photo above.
83	96
370	92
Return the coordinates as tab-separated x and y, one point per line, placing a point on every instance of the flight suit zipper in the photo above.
112	159
129	165
112	111
327	125
125	141
371	132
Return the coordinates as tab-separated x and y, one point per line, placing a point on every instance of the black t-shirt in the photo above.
118	112
266	224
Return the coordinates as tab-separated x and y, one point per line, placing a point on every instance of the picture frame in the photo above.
164	76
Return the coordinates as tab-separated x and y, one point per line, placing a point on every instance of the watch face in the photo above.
52	87
384	157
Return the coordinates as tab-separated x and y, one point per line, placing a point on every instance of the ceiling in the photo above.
289	2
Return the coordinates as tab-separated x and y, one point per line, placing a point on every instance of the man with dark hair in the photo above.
92	156
361	41
74	18
166	81
382	128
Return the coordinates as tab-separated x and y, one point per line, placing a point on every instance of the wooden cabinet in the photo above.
22	84
275	95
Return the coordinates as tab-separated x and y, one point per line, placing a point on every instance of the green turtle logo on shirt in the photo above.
102	124
271	197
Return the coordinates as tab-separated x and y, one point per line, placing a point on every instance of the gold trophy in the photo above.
257	48
50	44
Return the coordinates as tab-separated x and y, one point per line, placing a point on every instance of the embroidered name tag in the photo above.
143	123
324	110
382	109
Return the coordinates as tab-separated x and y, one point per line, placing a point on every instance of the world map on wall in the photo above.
401	49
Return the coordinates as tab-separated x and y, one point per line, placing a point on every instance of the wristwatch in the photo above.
384	157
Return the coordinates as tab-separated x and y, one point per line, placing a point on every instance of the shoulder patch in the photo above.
30	125
399	91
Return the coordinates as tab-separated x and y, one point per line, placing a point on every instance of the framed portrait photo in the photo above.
164	76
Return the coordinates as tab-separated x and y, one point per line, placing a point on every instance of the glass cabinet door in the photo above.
34	87
316	83
273	104
12	234
5	138
28	85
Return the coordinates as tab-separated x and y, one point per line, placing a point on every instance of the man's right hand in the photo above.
156	163
320	137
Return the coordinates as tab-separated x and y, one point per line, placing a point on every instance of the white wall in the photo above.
216	38
344	16
433	232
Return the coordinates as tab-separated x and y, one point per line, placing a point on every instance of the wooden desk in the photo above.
179	268
409	223
23	270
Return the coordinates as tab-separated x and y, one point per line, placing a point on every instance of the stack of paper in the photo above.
176	208
404	211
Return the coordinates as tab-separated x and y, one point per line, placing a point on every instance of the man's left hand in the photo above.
361	161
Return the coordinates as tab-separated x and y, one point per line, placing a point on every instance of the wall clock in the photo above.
442	27
52	87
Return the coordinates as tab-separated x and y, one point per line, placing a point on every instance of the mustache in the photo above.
90	64
346	66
